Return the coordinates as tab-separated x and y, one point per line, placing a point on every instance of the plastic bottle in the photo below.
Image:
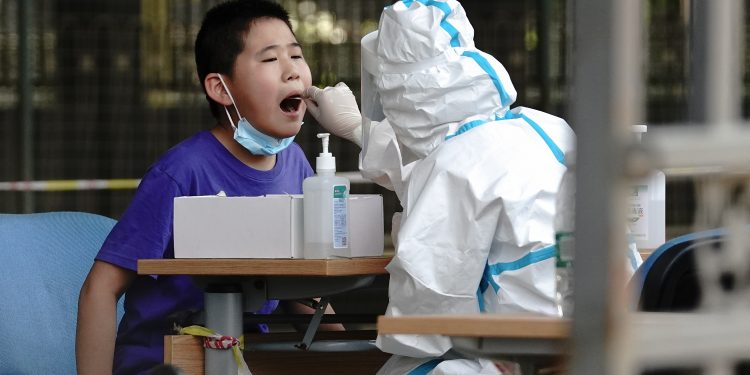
565	239
646	209
326	222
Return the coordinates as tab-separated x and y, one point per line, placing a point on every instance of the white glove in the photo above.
336	110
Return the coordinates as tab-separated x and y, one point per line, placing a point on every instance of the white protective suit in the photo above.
477	179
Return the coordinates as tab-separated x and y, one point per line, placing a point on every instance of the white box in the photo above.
238	227
265	227
365	226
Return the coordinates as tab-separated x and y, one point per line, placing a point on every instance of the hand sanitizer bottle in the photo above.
646	210
326	221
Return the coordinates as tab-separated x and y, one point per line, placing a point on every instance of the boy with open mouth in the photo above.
253	73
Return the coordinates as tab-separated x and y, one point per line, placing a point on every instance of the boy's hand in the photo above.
336	110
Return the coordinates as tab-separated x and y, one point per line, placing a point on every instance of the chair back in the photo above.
668	279
45	258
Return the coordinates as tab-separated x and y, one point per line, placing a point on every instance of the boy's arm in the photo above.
97	303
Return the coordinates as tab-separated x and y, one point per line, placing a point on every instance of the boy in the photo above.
253	73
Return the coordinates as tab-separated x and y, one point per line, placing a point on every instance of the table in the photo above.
235	285
496	336
655	339
264	267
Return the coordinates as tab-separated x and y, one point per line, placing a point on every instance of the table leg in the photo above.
223	315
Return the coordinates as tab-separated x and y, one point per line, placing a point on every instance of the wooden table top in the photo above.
529	326
478	325
264	267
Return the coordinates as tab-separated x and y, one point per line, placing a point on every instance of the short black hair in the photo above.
222	37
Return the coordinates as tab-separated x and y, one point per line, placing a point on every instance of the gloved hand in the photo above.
336	110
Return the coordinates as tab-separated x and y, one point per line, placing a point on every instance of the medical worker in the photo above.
477	180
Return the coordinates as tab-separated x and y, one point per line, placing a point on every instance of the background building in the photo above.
112	84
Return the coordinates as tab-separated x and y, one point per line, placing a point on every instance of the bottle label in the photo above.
638	212
340	227
565	243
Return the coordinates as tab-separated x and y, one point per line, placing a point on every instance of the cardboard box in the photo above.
366	234
265	227
238	227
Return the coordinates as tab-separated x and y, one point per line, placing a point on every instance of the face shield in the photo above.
372	109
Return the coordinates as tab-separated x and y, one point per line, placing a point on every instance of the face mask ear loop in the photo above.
230	119
231	122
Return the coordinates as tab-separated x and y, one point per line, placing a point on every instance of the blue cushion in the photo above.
45	258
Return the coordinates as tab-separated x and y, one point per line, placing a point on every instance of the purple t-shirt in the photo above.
200	165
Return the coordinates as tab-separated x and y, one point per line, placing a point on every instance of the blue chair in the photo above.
668	279
45	258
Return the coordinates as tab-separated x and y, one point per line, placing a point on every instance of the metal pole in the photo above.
25	105
716	51
223	305
604	102
543	20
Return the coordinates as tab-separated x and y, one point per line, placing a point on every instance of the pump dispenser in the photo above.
326	221
646	210
325	161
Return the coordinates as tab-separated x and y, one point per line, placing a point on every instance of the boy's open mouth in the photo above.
291	103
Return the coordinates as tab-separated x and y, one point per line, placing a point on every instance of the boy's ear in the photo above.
215	89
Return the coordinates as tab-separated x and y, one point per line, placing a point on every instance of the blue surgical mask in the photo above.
250	138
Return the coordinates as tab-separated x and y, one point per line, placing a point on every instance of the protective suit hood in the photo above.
430	77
